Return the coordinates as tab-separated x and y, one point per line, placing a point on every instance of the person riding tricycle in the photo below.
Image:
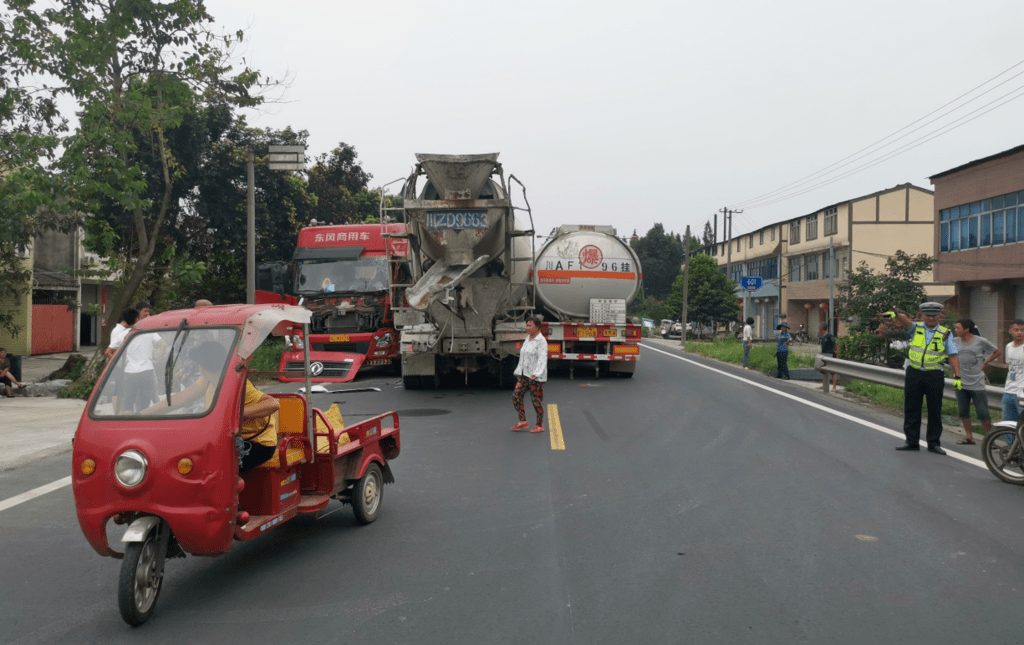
191	456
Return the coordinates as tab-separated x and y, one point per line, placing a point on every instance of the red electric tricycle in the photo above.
159	450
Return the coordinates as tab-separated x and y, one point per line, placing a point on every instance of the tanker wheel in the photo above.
411	382
506	372
140	580
368	494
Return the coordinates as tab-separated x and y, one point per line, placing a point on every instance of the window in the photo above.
829	270
794	232
762	237
794	269
812	227
737	245
811	267
831	221
773	234
986	222
751	244
737	272
767	268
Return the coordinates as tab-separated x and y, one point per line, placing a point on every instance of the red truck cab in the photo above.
342	276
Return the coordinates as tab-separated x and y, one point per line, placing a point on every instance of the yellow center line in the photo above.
555	428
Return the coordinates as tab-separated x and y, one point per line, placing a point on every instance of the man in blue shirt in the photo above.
930	345
782	351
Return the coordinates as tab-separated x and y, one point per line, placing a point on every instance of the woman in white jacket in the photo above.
531	373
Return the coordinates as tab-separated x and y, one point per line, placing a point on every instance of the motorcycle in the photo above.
160	451
1003	449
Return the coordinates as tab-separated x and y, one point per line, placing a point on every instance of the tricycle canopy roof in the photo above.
257	321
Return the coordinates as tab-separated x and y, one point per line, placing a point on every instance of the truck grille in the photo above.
348	348
332	369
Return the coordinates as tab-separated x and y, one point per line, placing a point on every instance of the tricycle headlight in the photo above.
130	468
384	340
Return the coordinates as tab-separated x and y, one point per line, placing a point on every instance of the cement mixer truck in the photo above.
463	309
585	277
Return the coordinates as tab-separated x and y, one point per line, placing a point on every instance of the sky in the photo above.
632	113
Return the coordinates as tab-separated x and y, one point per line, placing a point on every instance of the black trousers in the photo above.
922	384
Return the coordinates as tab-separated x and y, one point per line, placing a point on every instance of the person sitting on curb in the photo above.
6	377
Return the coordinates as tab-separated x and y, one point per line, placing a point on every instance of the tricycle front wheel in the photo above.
368	494
140	580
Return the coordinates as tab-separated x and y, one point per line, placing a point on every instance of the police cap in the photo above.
930	308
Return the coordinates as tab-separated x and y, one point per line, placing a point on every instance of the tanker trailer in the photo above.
585	277
464	311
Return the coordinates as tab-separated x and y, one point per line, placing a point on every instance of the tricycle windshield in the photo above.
361	275
166	373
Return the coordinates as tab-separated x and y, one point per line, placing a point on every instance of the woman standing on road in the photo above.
972	348
531	373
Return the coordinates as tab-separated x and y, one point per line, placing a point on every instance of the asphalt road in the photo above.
692	503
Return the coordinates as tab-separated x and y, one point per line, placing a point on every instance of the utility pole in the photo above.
686	286
831	284
250	252
727	226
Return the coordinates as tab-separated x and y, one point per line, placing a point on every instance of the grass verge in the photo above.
762	357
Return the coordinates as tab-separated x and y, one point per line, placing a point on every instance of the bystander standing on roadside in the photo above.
129	317
140	377
782	351
931	345
1014	387
971	349
531	373
6	376
828	348
748	339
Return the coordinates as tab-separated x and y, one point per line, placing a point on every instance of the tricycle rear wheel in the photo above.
140	580
368	495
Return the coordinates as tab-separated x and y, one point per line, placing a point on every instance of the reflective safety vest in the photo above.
928	356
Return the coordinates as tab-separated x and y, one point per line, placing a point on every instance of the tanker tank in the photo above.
581	262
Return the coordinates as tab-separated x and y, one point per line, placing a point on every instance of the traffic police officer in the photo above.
930	345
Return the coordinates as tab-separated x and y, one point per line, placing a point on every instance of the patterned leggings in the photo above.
536	394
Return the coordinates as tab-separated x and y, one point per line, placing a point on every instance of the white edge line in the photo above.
34	493
843	415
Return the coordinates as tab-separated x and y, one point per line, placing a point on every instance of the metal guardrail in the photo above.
888	376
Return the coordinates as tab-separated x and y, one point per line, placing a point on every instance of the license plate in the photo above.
610	333
456	219
586	332
339	338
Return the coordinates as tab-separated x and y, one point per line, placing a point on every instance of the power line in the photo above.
925	138
819	172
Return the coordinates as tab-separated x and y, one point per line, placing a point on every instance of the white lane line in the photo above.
842	415
34	493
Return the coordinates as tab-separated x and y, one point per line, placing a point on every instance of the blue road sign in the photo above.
752	283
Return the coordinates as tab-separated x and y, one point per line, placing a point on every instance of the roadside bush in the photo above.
267	358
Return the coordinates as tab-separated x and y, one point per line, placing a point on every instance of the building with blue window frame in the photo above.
979	244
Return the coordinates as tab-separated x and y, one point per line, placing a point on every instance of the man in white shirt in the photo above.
748	339
1014	387
129	317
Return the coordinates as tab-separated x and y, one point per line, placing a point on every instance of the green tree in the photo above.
135	69
339	183
708	239
660	256
711	294
220	210
865	294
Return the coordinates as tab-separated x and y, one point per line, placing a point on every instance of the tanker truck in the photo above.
463	308
585	277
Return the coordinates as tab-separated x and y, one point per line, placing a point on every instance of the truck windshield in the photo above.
136	384
362	275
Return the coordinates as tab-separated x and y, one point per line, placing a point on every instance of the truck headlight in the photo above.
384	340
297	342
130	468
